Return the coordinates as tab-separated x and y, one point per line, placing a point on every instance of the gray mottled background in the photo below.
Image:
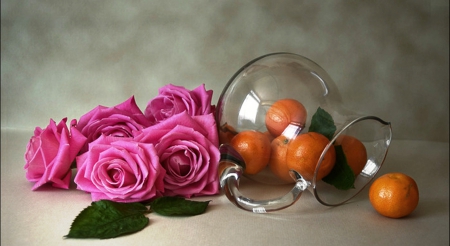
63	58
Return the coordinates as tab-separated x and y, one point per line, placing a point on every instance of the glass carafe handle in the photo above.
231	168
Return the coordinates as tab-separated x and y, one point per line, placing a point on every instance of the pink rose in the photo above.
118	121
187	147
50	153
120	169
174	99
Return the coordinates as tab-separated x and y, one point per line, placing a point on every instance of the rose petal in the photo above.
120	169
50	153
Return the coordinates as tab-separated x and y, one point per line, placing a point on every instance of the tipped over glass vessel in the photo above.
243	106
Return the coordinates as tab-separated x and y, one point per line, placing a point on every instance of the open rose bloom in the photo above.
50	153
125	155
173	99
120	169
120	121
187	148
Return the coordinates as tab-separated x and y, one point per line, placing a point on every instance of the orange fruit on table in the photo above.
282	113
394	195
304	152
254	147
355	152
278	158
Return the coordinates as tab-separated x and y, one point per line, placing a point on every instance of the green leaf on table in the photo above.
177	206
107	219
341	176
323	123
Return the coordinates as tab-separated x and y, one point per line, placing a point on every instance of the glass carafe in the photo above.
243	105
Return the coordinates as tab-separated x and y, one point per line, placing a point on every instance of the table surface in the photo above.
387	58
43	217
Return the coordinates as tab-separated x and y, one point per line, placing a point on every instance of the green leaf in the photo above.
323	123
107	219
177	206
341	176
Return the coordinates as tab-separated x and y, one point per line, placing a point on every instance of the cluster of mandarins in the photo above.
283	152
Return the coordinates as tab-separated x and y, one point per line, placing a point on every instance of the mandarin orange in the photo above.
282	113
304	152
254	147
278	158
394	195
355	152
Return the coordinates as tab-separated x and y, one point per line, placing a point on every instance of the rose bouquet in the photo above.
124	156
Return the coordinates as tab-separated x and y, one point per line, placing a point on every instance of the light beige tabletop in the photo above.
44	217
389	59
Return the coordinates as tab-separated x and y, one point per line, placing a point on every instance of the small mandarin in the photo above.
269	136
355	152
254	147
304	152
394	195
278	158
282	113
